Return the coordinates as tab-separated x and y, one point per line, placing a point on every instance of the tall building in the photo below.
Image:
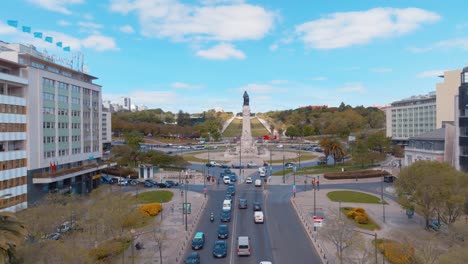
445	93
126	103
64	123
13	140
106	128
462	131
411	117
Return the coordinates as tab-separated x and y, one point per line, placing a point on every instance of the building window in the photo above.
48	96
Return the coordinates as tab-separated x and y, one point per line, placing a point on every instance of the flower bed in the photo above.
358	174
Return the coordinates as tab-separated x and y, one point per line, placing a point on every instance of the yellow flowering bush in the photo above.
151	209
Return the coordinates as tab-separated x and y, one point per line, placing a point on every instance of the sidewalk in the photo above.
395	219
172	227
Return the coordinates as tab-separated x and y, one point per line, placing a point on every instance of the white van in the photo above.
243	246
258	183
258	217
226	205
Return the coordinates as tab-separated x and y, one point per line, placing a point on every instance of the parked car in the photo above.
147	184
133	182
172	183
123	182
152	182
389	178
252	164
237	166
163	185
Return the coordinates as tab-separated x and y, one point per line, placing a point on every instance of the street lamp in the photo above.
184	209
381	194
284	176
315	209
375	240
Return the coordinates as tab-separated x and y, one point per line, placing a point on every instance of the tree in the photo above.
12	234
430	187
360	152
333	147
379	141
292	132
183	119
339	231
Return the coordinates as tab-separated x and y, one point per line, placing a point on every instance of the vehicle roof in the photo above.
198	235
243	239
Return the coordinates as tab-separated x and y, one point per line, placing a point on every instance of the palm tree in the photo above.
12	234
332	146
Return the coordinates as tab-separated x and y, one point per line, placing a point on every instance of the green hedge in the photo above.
359	174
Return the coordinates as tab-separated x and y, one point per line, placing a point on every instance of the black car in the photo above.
220	249
289	165
223	231
257	206
242	203
163	185
224	166
193	258
148	184
152	182
225	216
231	190
172	183
389	178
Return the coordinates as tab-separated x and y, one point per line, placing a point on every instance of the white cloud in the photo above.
127	29
381	70
6	29
63	23
352	88
460	43
181	85
56	5
344	29
318	78
99	43
431	73
215	2
182	22
221	51
89	25
273	47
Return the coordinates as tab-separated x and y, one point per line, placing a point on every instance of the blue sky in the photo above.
198	55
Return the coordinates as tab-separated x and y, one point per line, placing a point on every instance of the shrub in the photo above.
151	209
353	213
395	252
359	174
109	248
362	219
133	219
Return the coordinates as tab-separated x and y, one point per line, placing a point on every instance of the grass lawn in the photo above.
257	128
155	197
234	129
190	157
352	197
369	226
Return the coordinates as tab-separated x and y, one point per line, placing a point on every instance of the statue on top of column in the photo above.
246	98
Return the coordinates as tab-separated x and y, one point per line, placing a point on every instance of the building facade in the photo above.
106	128
126	103
64	120
427	146
462	128
445	94
411	117
13	137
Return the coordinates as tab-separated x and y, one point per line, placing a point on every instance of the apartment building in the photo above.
462	122
13	130
106	128
445	94
410	117
64	120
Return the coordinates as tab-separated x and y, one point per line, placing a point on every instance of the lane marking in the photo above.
234	224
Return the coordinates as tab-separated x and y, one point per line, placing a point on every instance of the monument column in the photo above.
246	136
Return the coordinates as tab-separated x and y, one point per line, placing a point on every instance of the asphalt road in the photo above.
281	239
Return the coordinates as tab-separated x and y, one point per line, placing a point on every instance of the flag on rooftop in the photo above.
59	44
49	39
66	48
13	23
38	34
26	29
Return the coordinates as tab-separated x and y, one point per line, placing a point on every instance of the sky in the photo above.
203	54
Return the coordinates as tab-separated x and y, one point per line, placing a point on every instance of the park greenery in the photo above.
352	197
434	190
100	226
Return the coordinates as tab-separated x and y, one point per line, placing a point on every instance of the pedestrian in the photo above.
318	185
172	208
313	183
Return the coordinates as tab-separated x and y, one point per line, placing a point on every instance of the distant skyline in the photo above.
203	54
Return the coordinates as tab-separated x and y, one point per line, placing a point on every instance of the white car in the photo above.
258	217
279	146
260	169
258	183
262	174
248	180
226	179
266	262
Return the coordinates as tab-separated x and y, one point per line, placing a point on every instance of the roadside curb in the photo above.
309	230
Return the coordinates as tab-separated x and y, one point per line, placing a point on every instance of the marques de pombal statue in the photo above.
246	98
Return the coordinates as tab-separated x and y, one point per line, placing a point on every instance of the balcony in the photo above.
61	174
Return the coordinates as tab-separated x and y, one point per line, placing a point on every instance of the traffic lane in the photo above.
245	226
210	229
290	242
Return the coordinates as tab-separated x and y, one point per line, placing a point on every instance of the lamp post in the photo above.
315	209
284	176
375	240
381	194
184	209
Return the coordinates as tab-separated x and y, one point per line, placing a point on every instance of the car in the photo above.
258	183
224	165
226	179
231	190
248	180
237	166
266	262
212	164
260	169
152	182
258	217
389	178
220	249
223	231
114	180
52	236
147	184
172	183
252	164
289	165
242	203
280	146
123	182
233	177
198	240
257	206
163	185
322	160
228	197
65	227
262	173
225	216
193	258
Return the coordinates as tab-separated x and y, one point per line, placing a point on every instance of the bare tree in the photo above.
159	237
362	251
339	231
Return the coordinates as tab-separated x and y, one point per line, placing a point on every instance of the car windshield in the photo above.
219	246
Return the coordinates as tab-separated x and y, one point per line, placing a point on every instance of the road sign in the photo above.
187	208
318	220
205	190
294	188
